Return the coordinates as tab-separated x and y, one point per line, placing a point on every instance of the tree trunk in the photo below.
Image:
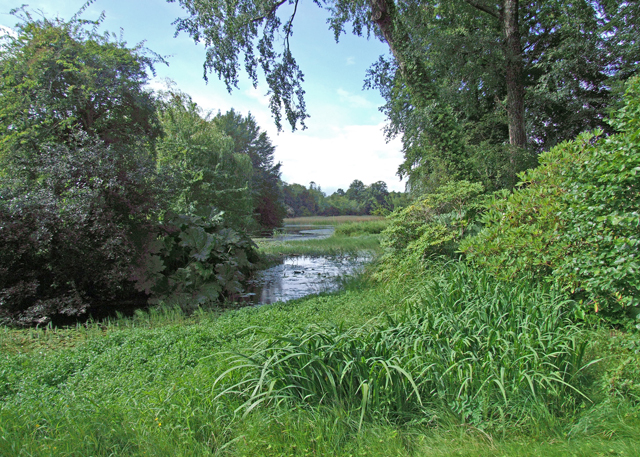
514	71
383	14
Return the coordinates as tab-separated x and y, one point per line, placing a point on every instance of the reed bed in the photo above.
467	347
362	228
334	245
330	220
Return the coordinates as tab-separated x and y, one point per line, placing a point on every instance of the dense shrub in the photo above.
69	241
84	216
197	260
435	224
575	219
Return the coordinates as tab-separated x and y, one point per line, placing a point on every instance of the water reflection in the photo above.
299	276
299	232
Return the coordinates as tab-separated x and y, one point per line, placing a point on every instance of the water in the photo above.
300	276
300	232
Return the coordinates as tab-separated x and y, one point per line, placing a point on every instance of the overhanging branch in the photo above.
485	8
271	11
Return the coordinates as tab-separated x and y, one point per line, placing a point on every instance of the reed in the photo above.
330	220
334	245
362	228
467	346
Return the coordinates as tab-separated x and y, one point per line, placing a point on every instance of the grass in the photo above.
467	347
334	245
354	236
373	227
146	385
330	220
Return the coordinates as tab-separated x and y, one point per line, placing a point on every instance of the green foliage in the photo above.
620	377
199	165
575	220
454	116
521	229
468	345
199	260
435	224
83	213
141	386
265	184
57	78
361	228
70	241
359	199
602	216
232	29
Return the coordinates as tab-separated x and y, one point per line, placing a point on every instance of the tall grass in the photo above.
143	385
334	245
362	228
467	347
330	220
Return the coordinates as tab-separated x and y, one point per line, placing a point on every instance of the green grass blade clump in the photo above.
467	346
373	227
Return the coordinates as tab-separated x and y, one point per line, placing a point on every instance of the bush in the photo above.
575	219
435	224
69	241
197	260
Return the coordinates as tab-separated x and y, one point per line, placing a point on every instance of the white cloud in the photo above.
353	152
258	95
354	101
351	60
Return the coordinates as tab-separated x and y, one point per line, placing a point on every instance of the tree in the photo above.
78	200
58	79
264	184
200	166
510	72
356	191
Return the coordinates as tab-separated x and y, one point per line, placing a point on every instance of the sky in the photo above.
344	139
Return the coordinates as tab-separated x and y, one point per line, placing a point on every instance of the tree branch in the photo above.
270	12
485	8
289	24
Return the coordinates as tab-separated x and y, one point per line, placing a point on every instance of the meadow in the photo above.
481	368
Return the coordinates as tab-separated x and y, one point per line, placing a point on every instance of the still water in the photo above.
298	276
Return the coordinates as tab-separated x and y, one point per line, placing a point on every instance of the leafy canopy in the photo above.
59	78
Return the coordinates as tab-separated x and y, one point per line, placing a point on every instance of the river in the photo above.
299	276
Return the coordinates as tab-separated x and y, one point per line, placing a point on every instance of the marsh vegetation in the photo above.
491	318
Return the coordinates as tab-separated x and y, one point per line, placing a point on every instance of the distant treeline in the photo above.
359	199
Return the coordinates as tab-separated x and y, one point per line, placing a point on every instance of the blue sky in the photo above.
344	139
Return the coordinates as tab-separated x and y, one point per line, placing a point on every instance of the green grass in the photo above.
144	386
467	347
335	245
330	220
362	228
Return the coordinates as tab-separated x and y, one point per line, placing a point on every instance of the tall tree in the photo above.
510	62
264	184
77	181
200	166
60	78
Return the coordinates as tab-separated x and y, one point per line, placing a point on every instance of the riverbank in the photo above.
152	385
335	245
349	236
298	263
